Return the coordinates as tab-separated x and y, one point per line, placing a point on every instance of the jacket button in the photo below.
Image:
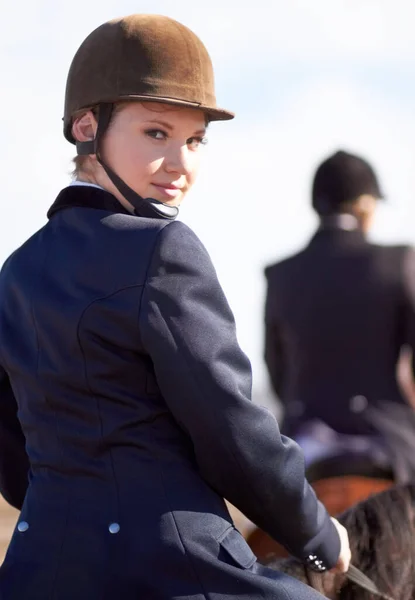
114	528
315	564
358	404
23	526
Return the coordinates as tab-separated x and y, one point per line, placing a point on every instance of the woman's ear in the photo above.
84	127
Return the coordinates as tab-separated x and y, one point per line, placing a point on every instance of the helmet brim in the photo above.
215	113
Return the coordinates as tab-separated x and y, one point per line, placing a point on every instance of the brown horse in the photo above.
382	540
339	483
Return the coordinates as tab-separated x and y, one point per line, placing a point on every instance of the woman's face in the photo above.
155	148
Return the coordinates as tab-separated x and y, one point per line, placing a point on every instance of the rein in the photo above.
315	580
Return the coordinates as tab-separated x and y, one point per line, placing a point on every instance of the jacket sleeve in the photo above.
14	463
189	332
274	347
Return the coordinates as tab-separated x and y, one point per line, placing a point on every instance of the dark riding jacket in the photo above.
123	385
337	316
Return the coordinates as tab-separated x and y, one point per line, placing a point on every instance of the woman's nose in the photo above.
179	160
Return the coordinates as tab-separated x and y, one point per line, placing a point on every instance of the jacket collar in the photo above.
342	222
339	230
86	197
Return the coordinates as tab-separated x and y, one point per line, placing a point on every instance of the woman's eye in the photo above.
195	142
156	134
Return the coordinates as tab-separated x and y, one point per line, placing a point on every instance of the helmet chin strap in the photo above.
143	207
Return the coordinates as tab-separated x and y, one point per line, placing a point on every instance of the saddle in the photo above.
344	480
347	465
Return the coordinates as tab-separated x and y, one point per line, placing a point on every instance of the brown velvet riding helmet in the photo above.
141	57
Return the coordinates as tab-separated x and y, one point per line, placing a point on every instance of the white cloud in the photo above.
369	30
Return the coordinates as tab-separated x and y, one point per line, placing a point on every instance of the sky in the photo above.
305	78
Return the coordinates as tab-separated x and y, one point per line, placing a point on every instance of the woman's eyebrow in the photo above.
171	128
162	123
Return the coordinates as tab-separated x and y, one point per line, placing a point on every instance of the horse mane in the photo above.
382	541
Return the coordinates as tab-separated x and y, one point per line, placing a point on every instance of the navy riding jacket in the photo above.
125	419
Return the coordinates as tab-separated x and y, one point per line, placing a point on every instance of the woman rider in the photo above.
119	354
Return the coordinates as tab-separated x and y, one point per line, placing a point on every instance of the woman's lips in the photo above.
169	191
